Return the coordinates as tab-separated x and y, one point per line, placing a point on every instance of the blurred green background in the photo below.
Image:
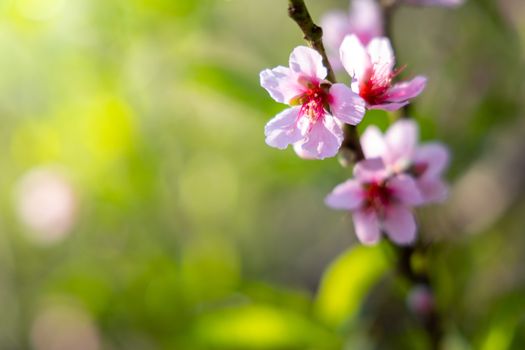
141	208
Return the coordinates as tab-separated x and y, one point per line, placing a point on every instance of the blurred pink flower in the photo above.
420	300
364	19
378	202
446	3
64	326
400	152
313	123
46	204
372	67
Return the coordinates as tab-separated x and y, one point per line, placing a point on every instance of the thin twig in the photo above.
350	149
432	321
313	34
389	7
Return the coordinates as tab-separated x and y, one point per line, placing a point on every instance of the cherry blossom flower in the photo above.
64	324
421	301
364	20
400	152
378	202
318	108
47	204
446	3
372	67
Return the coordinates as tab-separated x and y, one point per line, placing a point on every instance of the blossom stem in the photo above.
351	150
313	34
389	8
432	321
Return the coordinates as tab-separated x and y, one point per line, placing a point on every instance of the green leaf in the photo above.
346	282
261	327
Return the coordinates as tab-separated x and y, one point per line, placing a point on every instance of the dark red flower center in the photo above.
314	100
377	195
418	169
374	87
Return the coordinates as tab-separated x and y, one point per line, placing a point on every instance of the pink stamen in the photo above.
314	101
376	84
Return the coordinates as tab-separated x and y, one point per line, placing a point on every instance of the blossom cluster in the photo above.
397	173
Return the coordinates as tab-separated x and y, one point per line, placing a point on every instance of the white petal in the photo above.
307	61
348	195
435	156
282	130
405	190
354	57
381	55
402	138
366	226
346	105
324	138
400	225
281	83
373	143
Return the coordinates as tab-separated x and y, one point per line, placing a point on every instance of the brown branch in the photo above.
350	150
389	7
432	321
313	34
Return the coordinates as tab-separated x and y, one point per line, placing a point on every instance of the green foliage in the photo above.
347	281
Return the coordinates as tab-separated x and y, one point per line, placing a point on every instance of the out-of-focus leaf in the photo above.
503	323
346	282
231	83
261	327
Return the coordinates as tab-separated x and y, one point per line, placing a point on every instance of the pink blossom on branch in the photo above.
318	108
378	202
401	153
364	19
372	67
446	3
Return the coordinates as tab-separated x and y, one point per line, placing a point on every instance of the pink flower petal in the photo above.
402	138
406	90
405	190
366	226
373	143
369	170
281	83
307	61
435	156
390	107
324	138
400	225
297	147
366	20
433	189
354	57
346	105
348	196
335	26
381	57
282	130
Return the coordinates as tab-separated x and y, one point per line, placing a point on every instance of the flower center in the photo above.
314	101
376	84
417	169
377	196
